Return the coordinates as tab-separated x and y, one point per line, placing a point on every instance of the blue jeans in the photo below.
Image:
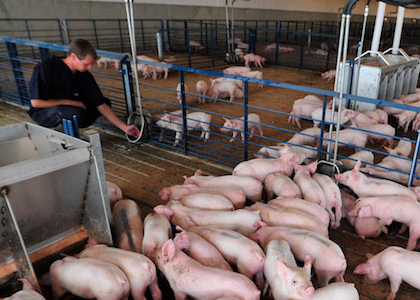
52	116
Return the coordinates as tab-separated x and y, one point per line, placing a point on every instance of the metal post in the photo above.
245	31
28	32
207	41
277	46
17	72
96	34
414	162
121	36
245	120
201	32
16	243
252	40
184	111
59	31
266	31
159	44
215	28
322	125
65	32
378	26
398	30
142	35
130	100
212	47
168	35
302	43
187	41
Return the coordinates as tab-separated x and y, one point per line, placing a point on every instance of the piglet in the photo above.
114	193
236	70
364	156
304	108
281	185
236	249
235	125
207	201
225	89
346	115
336	290
310	208
200	250
179	93
201	87
255	75
251	186
385	209
332	196
286	279
379	115
347	138
157	230
128	226
253	58
365	227
187	277
394	263
403	148
259	168
306	137
327	256
364	186
27	293
311	191
140	270
329	75
88	278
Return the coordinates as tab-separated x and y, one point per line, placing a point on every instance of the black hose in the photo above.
349	6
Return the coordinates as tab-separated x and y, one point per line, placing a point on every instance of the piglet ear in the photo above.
26	285
182	241
198	173
369	255
365	211
312	167
168	250
365	268
226	119
164	210
282	269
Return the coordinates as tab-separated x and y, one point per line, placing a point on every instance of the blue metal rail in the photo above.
217	149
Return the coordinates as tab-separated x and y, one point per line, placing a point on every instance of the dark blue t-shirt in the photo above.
53	79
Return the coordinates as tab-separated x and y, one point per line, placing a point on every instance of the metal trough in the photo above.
53	188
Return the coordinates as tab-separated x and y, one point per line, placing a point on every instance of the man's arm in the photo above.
109	114
38	103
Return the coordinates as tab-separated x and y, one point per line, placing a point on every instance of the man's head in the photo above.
81	55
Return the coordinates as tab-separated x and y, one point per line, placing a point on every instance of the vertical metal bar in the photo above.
187	40
414	162
245	120
215	25
277	46
17	72
328	53
321	135
65	32
212	46
302	43
96	34
266	31
65	127
28	32
296	29
70	127
168	35
245	35
44	53
201	32
127	78
121	36
59	31
184	111
287	33
17	244
142	35
207	41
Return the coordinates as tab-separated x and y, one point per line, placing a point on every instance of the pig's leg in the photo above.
178	137
57	290
234	134
338	215
414	235
395	285
166	73
206	131
323	277
259	279
260	130
155	290
180	296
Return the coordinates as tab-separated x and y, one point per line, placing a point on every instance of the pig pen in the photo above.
143	170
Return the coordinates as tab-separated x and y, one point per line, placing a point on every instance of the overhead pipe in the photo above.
398	30
378	27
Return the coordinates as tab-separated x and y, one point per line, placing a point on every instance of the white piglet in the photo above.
238	125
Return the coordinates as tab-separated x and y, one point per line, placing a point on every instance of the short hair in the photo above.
82	48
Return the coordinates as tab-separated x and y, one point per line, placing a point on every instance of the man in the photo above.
63	87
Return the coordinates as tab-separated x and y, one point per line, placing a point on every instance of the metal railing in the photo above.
159	100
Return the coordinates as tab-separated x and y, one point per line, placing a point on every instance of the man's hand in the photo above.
132	130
